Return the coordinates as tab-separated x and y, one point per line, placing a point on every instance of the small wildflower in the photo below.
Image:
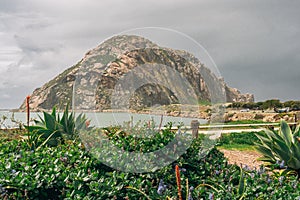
182	169
217	172
281	164
190	197
252	175
211	196
229	189
295	184
280	179
247	168
64	159
261	170
268	179
161	187
13	171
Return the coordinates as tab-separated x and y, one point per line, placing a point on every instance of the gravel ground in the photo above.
245	157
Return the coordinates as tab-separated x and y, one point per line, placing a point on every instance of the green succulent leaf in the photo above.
282	146
286	133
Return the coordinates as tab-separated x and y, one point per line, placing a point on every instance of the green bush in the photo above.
68	171
54	129
248	138
282	146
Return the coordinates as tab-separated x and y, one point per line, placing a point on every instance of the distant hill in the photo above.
104	65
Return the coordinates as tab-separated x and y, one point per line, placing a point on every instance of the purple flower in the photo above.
247	168
2	189
281	164
229	189
261	170
280	179
211	196
182	169
295	184
190	197
161	187
268	179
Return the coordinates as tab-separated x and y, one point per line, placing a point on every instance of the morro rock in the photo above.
98	74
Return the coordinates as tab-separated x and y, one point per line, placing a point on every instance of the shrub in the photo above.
69	171
282	146
53	129
248	138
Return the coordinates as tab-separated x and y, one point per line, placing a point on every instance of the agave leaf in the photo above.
266	159
49	121
41	122
286	132
80	121
282	146
297	131
242	185
295	148
45	142
265	141
294	163
272	135
33	128
282	155
53	112
266	152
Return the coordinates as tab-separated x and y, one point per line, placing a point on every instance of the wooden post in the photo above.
195	128
28	110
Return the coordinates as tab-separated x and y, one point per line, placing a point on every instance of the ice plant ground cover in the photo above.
69	171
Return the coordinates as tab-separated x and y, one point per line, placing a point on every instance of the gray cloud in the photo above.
255	44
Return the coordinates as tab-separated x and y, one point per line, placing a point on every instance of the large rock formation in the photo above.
100	72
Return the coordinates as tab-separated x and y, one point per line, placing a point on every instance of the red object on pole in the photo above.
28	109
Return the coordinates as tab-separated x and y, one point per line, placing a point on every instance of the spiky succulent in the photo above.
283	146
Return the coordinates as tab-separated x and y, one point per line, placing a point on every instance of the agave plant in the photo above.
52	129
282	146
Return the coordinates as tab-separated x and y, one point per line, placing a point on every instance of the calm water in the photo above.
102	119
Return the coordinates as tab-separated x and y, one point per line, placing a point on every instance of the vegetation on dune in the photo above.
268	104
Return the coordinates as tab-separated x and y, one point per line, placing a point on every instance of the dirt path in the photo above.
245	157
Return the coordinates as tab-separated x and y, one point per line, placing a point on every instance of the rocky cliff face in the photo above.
95	78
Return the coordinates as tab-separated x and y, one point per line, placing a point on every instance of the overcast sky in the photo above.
255	44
